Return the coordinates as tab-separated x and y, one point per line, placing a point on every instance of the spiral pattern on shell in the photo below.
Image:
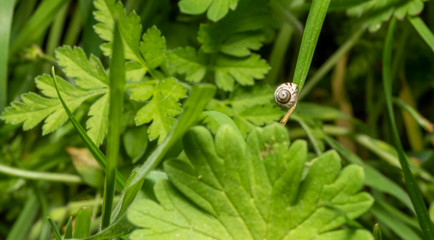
286	95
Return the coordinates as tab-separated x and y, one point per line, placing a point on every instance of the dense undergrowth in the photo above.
156	119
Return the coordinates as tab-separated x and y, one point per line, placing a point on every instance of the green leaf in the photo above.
135	142
236	189
240	31
88	73
129	28
187	61
91	80
82	223
227	69
33	108
55	229
193	107
248	106
153	47
162	107
244	71
377	12
217	9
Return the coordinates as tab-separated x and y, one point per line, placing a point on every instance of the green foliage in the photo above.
227	70
161	108
377	12
232	180
240	31
216	8
34	108
254	189
248	107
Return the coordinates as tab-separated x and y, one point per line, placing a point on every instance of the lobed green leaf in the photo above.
237	189
217	9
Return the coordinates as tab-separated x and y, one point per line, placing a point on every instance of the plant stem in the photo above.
278	53
117	84
6	12
44	176
415	195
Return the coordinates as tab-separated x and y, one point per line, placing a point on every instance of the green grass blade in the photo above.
422	121
410	183
315	141
44	176
311	33
6	13
82	223
393	222
377	232
199	98
423	30
96	153
117	83
278	53
55	229
24	222
38	23
373	178
68	231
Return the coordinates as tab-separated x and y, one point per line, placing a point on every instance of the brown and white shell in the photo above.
286	95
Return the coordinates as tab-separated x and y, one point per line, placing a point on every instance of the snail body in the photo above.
286	95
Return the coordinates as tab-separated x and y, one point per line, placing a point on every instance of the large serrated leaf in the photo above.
254	189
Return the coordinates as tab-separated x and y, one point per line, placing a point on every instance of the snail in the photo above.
286	95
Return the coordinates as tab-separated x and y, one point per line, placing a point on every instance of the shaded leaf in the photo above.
216	9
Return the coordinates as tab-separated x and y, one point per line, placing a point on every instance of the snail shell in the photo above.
286	95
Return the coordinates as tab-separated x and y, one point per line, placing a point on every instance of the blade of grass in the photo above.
311	33
55	229
394	223
73	30
316	143
423	30
421	120
377	232
96	153
37	24
193	107
117	83
68	231
82	223
24	222
278	53
373	178
199	98
6	13
44	176
410	183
